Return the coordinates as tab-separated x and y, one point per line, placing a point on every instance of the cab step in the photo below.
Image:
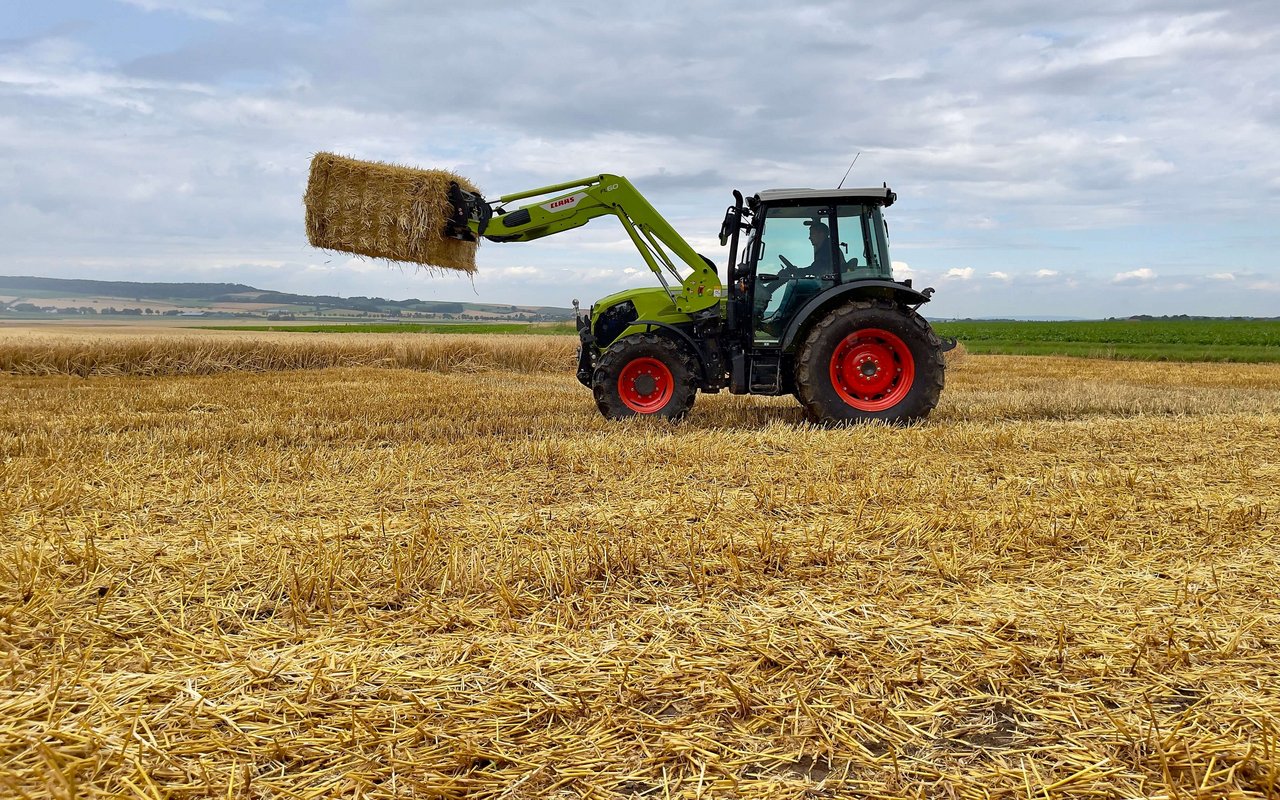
766	374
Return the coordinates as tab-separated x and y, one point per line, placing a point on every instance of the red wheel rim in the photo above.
872	369
645	385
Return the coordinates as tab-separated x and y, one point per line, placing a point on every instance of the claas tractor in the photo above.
807	304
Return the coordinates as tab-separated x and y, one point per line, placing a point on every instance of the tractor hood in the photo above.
647	301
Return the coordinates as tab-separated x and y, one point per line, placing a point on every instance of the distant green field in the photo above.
544	329
1141	340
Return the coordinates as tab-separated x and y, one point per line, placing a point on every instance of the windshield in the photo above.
799	239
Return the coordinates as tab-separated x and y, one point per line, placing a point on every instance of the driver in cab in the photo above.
820	238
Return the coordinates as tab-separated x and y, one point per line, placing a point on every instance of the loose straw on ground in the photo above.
385	584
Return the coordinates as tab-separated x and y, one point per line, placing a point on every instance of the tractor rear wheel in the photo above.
870	360
644	375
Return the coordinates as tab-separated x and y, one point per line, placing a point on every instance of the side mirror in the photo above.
731	220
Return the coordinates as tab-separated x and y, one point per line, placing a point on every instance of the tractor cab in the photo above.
803	243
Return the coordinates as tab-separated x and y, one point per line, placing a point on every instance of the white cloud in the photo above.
665	157
1000	276
1143	38
1046	273
903	270
1222	276
963	274
618	245
977	222
515	272
633	276
63	74
1146	167
211	10
912	70
1135	276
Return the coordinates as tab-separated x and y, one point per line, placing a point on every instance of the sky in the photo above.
1084	159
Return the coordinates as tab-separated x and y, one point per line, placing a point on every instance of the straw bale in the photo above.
386	211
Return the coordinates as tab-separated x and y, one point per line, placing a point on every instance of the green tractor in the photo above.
810	309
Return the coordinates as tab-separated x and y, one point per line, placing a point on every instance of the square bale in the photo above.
385	211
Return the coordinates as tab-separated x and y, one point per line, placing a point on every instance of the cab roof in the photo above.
883	195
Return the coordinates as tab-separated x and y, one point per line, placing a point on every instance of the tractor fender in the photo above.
850	291
694	350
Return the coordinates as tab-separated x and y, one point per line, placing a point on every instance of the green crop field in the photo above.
1243	340
1237	340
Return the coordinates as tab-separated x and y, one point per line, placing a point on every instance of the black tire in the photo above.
628	382
870	360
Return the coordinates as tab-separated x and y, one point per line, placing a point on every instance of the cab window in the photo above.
859	229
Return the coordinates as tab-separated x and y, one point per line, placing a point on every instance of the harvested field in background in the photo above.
388	583
205	352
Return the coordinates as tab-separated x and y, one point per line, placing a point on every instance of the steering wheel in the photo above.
785	274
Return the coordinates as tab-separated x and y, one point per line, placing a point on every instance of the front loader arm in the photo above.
576	203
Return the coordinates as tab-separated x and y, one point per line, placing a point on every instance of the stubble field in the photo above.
413	574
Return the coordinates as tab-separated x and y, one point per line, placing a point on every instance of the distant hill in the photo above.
35	295
121	289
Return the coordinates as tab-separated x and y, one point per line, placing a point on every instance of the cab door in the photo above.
798	258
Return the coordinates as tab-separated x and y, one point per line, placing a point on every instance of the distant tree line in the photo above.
32	308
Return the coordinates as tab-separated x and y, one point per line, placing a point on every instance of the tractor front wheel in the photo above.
644	375
870	360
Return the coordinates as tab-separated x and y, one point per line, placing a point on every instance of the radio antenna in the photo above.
850	169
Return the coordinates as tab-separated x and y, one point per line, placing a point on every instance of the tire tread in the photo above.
604	379
930	376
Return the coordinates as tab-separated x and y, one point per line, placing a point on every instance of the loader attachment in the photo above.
467	207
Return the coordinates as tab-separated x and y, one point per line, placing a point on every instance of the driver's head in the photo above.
818	233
